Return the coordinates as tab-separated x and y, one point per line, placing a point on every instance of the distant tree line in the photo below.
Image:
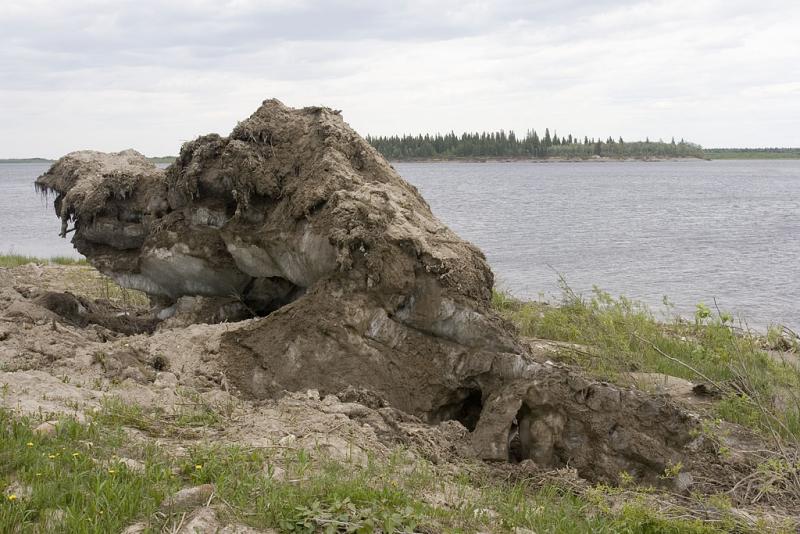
752	153
503	144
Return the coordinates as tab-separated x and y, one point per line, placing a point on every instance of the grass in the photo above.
76	482
15	260
73	482
84	281
94	285
618	336
192	413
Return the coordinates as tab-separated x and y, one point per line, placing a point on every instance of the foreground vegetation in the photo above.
15	260
90	477
616	337
83	280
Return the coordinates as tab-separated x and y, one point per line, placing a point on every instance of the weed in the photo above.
63	473
78	472
617	336
16	260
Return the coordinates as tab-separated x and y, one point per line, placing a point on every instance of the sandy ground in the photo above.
49	368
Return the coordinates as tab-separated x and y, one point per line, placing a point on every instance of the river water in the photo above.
694	231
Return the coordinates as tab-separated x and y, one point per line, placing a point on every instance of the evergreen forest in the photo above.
503	144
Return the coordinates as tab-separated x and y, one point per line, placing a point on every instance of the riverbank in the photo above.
109	428
752	153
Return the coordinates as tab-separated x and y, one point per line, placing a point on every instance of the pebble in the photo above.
287	440
205	520
274	472
188	498
47	429
136	528
166	380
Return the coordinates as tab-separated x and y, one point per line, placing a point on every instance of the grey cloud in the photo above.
86	34
414	65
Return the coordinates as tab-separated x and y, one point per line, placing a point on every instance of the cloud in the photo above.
114	74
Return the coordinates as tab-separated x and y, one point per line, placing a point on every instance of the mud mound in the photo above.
297	219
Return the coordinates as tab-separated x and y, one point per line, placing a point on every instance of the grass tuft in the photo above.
614	337
16	260
72	482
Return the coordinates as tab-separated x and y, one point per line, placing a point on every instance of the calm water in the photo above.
28	220
691	230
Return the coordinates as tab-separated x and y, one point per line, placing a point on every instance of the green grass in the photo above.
15	260
78	472
75	472
191	413
617	336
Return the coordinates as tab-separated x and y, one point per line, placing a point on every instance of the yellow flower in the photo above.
198	467
38	474
29	444
12	497
112	471
51	456
75	454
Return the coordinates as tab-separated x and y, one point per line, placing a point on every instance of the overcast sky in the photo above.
110	75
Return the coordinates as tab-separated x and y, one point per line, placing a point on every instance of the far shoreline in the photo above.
474	159
506	159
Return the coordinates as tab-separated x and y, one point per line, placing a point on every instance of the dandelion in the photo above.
12	497
29	444
75	454
51	456
198	467
38	474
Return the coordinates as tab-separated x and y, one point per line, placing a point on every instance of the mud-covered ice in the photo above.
296	221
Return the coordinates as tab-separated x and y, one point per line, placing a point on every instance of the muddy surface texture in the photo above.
341	279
